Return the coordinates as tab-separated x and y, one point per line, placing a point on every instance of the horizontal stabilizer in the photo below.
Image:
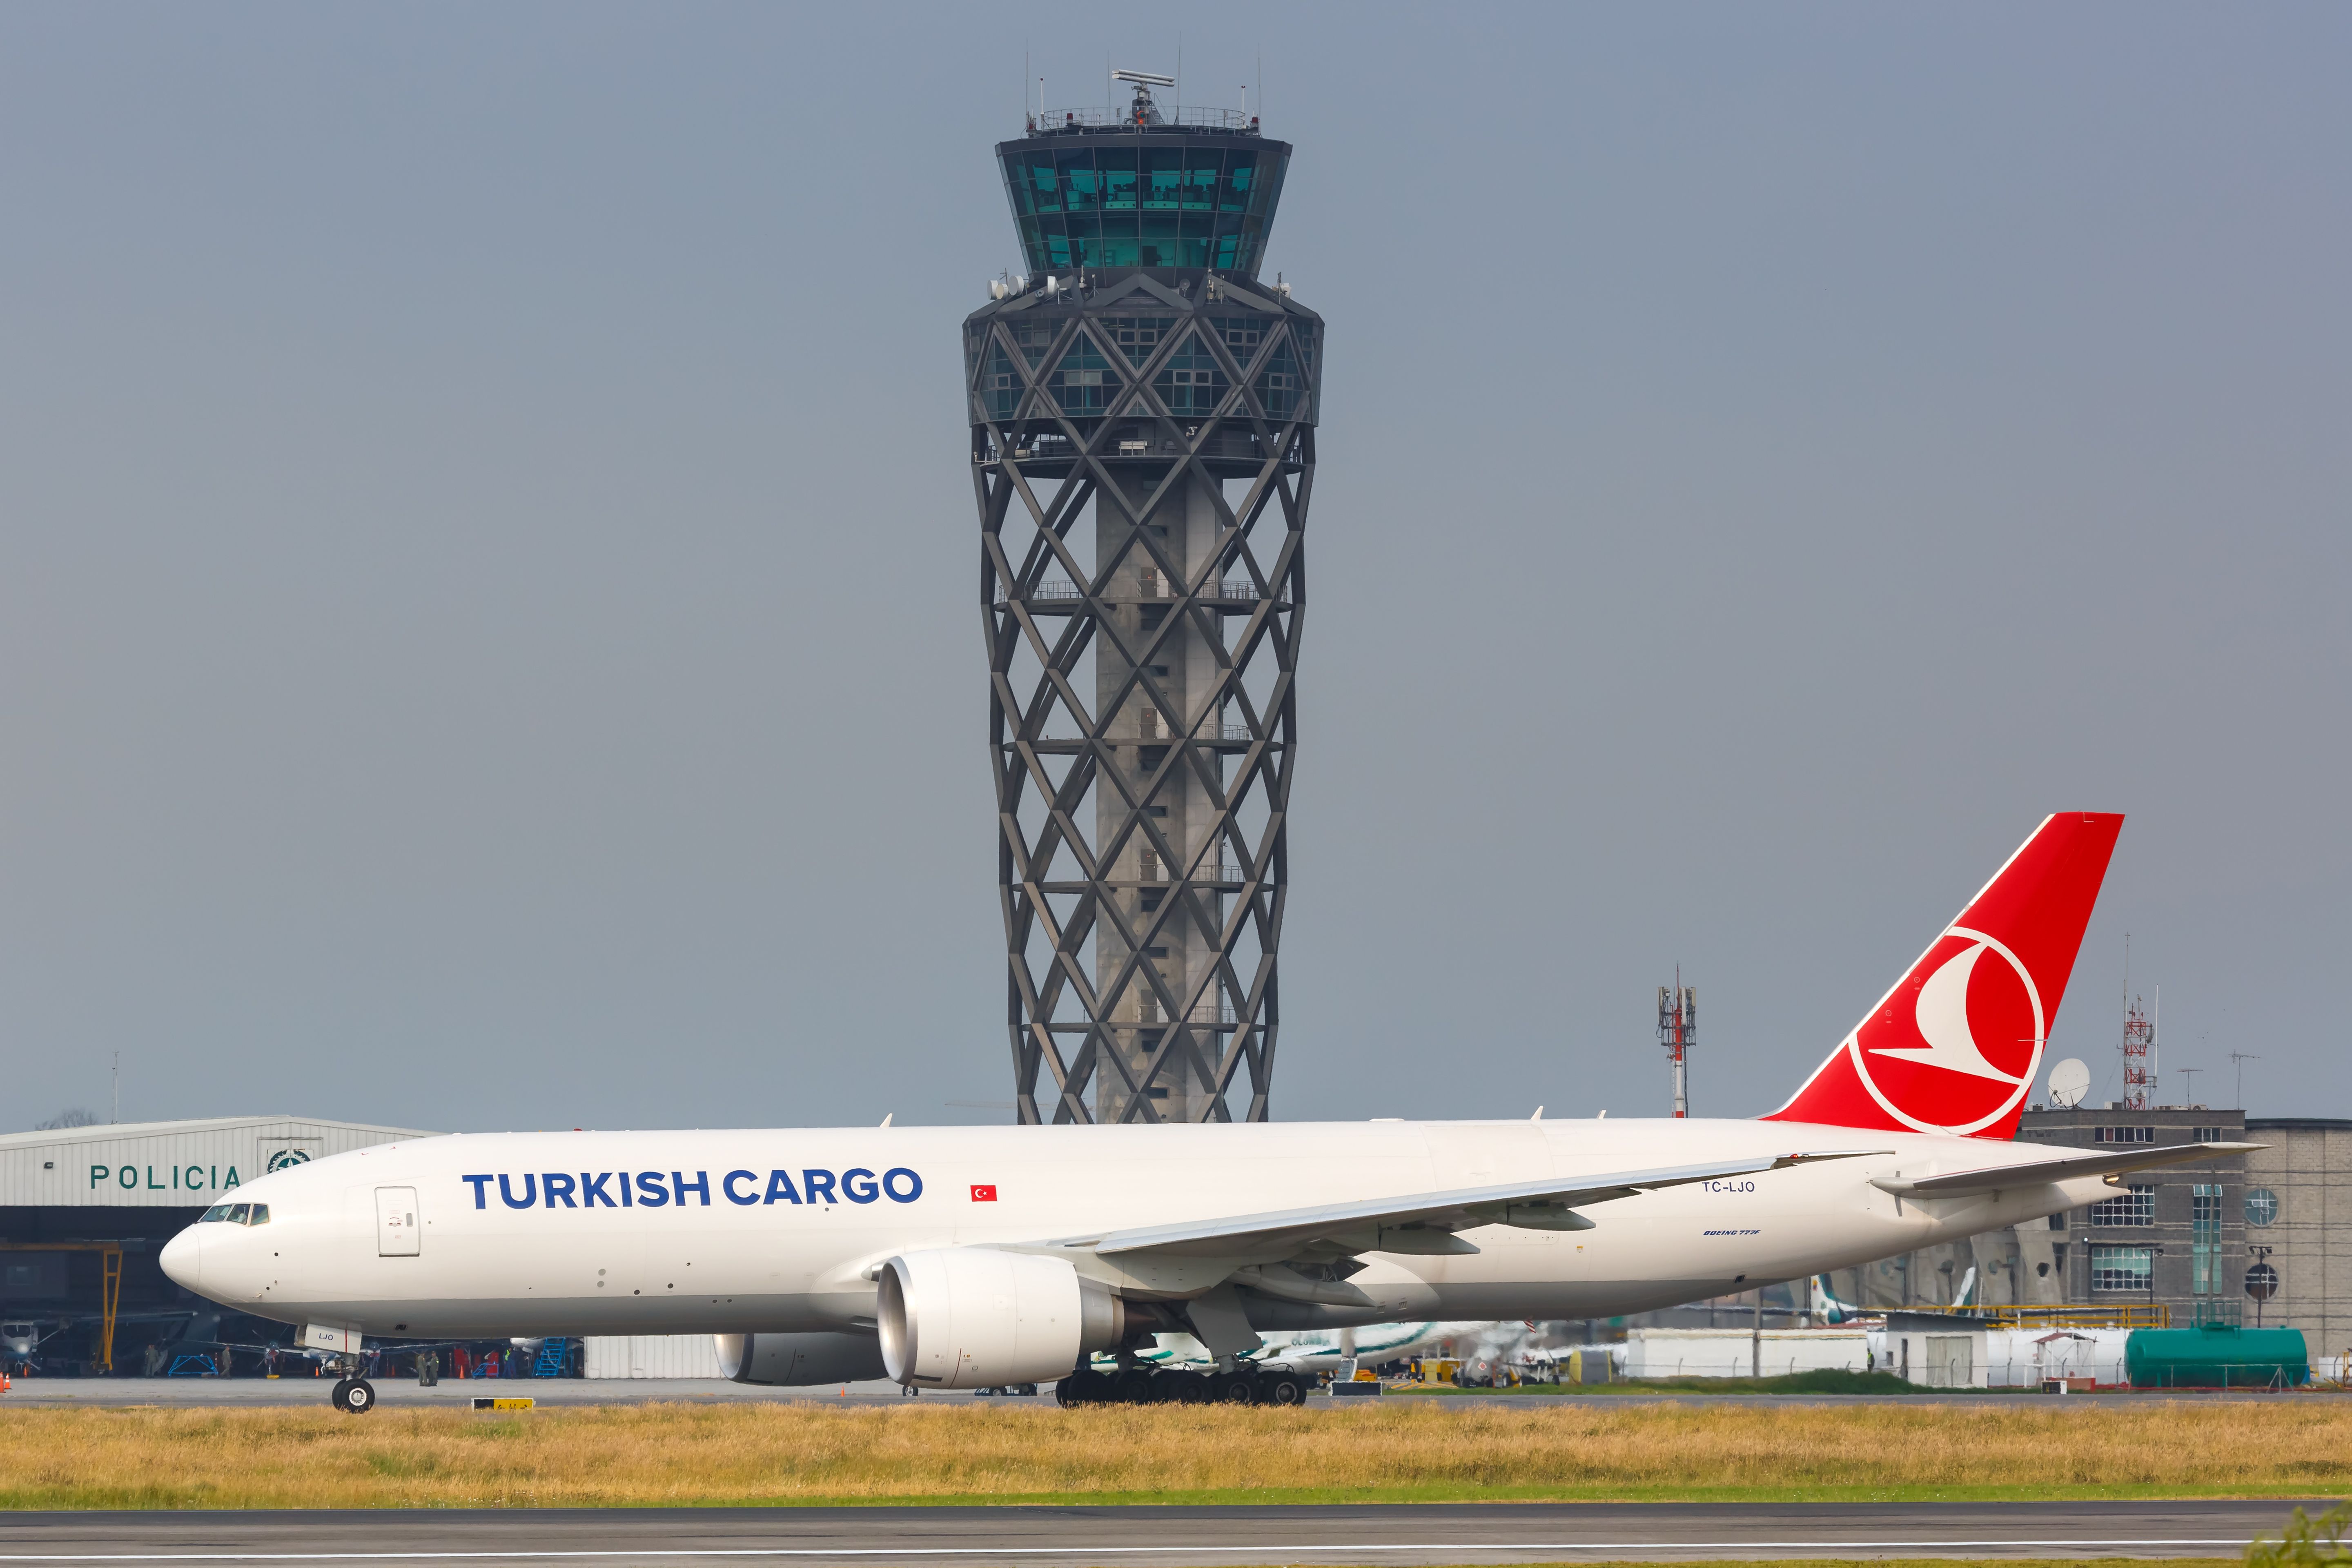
2065	1168
1360	1226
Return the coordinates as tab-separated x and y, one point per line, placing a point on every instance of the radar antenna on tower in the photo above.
1143	111
1677	1032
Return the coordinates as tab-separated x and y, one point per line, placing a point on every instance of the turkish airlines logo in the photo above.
1955	1046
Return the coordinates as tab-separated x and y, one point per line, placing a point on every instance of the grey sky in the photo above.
489	630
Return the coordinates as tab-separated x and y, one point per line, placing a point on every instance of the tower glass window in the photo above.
1192	198
1190	383
1083	383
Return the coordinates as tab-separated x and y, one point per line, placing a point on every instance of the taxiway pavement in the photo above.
392	1392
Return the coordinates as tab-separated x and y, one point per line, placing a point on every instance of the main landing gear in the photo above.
1139	1385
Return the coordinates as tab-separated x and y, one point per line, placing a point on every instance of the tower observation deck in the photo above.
1143	415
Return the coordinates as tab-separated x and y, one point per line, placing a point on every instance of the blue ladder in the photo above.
551	1358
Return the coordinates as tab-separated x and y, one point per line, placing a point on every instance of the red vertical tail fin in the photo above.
1955	1046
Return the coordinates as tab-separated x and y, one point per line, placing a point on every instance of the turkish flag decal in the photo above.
986	1194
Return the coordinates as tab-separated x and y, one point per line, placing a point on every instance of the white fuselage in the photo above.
752	1245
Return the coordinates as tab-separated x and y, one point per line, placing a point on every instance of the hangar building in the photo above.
85	1210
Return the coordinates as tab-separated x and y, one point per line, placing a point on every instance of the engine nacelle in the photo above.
788	1359
975	1317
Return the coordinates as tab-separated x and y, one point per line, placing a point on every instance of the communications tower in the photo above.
1678	1032
1142	410
2139	1056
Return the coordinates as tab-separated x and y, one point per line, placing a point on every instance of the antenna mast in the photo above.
2139	1045
1677	1032
2240	1059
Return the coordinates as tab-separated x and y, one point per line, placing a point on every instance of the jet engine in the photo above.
786	1359
975	1317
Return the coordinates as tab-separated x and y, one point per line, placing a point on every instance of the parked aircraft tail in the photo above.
1825	1306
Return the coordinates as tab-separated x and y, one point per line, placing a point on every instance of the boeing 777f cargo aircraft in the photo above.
968	1257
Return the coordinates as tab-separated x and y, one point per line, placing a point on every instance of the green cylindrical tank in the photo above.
2216	1355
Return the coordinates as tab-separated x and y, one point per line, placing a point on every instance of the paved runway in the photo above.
1152	1537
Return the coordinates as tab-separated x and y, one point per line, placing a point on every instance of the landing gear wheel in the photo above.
343	1389
1084	1386
1282	1390
1193	1390
1135	1386
1235	1388
359	1396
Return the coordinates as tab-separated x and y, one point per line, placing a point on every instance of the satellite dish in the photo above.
2070	1081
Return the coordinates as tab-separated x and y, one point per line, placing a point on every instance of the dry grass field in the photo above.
712	1453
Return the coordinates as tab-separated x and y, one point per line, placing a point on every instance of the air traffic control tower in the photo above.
1142	453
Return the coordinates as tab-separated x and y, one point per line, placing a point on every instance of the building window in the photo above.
1001	386
1083	382
1191	382
2211	1134
1279	384
2132	1206
2205	1239
2123	1135
1242	334
2122	1268
2261	1206
1033	339
1137	336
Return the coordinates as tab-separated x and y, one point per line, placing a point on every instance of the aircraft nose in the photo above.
181	1259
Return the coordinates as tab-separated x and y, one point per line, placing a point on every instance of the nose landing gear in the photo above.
354	1395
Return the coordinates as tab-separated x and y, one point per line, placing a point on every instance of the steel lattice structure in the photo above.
1143	455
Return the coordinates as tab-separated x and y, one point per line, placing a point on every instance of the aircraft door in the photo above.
397	1235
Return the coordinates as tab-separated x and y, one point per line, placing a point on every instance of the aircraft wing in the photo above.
1424	1222
2064	1168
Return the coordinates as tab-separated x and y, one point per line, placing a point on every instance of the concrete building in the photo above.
84	1211
2179	1244
2172	1238
2298	1221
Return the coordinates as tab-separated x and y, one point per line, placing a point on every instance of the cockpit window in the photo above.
237	1213
217	1212
260	1214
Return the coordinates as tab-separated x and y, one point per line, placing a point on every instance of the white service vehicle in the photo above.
973	1257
